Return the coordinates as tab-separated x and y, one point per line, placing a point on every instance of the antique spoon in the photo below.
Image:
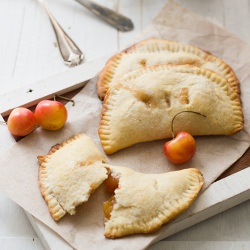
70	52
112	17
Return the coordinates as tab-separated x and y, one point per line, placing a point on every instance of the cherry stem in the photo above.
65	98
187	111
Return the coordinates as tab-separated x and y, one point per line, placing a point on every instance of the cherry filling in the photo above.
108	206
111	184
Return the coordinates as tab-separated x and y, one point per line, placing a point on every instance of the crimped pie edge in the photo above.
55	209
171	209
153	45
110	100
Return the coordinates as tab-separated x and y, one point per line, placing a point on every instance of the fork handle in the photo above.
70	52
112	17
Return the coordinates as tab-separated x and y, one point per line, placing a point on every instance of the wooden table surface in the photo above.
29	53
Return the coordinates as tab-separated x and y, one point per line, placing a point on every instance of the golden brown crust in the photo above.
224	70
153	45
106	74
69	173
141	107
144	202
68	166
218	65
158	51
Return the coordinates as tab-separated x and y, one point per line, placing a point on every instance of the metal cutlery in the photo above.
70	52
112	17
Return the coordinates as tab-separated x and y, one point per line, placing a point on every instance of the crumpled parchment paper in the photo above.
19	166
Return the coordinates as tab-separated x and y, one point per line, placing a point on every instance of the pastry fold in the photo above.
140	106
156	52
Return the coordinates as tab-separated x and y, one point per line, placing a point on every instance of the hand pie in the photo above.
141	106
157	51
207	60
142	203
69	173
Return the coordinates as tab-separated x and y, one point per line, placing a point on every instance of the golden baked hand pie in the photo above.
207	60
69	173
142	203
157	51
141	106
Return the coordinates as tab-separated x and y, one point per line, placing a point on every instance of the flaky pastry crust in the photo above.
141	106
69	174
144	202
158	51
72	170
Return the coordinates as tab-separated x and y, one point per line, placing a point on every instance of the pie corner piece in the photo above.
69	174
143	203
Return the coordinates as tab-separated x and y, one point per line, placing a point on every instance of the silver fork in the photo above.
70	52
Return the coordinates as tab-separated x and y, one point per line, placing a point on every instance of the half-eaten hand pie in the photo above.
141	106
156	52
142	203
70	173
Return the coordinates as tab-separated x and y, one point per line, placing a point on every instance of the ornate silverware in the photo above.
70	52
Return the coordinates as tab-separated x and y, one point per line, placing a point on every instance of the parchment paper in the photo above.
19	167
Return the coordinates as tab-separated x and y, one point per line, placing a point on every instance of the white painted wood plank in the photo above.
13	220
233	220
198	245
30	51
95	37
47	237
124	6
6	139
27	52
14	243
142	14
61	83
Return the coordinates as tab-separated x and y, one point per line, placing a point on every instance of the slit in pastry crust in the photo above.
141	106
156	52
